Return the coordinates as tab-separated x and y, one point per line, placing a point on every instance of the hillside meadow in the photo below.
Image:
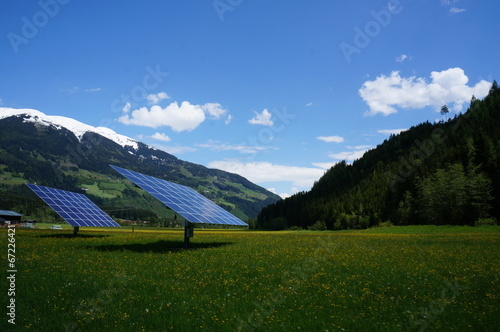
412	278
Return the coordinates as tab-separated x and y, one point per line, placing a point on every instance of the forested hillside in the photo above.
442	173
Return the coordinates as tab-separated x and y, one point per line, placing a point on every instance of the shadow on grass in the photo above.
158	247
71	236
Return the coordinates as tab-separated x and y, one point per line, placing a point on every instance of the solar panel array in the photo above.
76	209
184	200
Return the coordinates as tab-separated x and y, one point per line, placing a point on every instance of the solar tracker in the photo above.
186	201
76	209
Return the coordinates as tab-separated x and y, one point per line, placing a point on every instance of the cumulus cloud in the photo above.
161	137
263	118
215	110
331	139
259	172
228	119
156	98
184	117
446	87
391	131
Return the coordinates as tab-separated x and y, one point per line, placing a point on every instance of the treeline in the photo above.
442	173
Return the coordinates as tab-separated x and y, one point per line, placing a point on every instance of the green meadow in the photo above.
387	279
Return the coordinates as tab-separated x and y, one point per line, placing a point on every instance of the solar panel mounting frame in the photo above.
182	200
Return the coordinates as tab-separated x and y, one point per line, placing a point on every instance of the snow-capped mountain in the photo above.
77	127
64	153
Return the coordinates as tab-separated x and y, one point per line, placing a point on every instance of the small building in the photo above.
11	216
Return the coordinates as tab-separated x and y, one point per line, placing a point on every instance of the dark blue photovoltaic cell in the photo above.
76	209
185	201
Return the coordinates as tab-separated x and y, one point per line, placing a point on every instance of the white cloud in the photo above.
242	148
175	150
263	118
446	87
126	108
391	131
185	117
347	155
331	139
214	109
76	89
293	190
327	165
359	147
161	137
309	104
258	172
455	10
156	98
228	119
403	57
358	152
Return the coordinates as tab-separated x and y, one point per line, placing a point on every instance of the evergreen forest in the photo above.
444	173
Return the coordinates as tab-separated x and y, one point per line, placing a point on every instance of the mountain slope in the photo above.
443	173
66	154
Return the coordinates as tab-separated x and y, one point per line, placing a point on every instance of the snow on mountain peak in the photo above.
77	127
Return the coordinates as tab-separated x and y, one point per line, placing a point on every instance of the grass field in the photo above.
391	279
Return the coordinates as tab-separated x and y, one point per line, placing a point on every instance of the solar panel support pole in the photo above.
75	230
188	232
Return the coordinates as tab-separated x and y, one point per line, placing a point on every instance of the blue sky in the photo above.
277	91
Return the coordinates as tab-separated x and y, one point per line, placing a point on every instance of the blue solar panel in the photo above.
76	209
187	202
